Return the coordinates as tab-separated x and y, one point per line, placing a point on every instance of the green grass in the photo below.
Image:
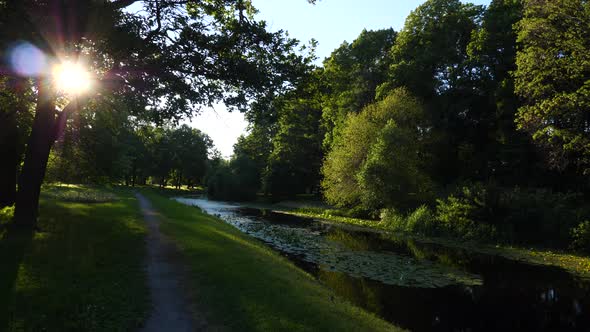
242	285
83	272
78	193
329	215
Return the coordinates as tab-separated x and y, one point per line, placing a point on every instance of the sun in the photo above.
71	78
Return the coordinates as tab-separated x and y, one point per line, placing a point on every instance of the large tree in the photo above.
351	76
170	58
553	78
380	157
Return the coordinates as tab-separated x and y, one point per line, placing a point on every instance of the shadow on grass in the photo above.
84	272
14	243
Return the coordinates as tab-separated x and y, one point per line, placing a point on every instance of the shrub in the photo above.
581	237
511	215
421	221
540	216
6	214
457	217
393	220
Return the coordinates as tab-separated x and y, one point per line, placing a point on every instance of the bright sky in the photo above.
330	22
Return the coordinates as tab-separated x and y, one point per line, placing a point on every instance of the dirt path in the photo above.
171	309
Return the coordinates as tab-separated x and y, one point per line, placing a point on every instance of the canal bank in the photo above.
416	285
242	285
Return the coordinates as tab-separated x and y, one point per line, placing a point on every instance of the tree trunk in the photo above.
133	173
9	160
42	136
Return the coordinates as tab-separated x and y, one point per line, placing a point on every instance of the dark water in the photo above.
421	287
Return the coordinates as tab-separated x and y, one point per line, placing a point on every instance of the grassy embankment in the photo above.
242	285
82	272
576	264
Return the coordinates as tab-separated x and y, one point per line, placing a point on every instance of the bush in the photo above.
419	221
581	237
393	220
457	217
540	216
511	215
489	213
6	214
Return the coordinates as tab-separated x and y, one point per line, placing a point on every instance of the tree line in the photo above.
471	121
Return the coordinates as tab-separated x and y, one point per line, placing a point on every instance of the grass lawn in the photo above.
241	285
83	272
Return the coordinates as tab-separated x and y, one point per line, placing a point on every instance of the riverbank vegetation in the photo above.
577	264
267	292
67	276
469	123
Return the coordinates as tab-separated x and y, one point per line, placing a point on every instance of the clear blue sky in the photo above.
330	22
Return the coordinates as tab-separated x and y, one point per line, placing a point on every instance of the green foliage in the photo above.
393	173
455	217
393	220
553	78
420	221
294	163
107	144
541	216
351	75
378	149
234	180
6	214
429	53
581	237
511	215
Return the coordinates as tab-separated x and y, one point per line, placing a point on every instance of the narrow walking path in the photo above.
171	310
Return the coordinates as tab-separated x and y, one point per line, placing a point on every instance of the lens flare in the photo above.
71	78
27	60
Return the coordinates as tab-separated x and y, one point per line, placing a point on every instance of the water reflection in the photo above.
422	287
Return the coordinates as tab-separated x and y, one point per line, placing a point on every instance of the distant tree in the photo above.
553	78
237	179
190	149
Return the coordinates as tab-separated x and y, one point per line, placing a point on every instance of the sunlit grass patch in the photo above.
78	193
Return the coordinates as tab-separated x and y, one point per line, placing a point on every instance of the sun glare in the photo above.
72	78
